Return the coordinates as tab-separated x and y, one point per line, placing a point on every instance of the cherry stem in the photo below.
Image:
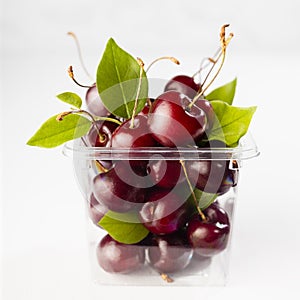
209	61
149	104
171	58
108	119
61	116
98	164
71	74
192	191
166	277
224	43
72	34
100	167
141	64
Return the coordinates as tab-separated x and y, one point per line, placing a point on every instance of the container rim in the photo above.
246	149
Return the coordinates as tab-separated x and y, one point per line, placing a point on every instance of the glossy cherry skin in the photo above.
118	189
184	85
172	124
94	103
106	129
166	173
96	210
115	257
212	176
210	237
169	253
164	212
209	112
138	136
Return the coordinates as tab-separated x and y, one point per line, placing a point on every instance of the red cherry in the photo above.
184	85
106	129
165	212
166	173
169	253
115	257
209	237
118	190
212	176
173	124
94	103
138	136
96	210
209	111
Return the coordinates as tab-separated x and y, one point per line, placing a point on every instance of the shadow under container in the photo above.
161	258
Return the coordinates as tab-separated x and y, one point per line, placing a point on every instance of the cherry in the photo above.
173	124
169	253
118	189
209	111
165	212
209	237
166	173
94	102
116	257
183	84
138	136
102	135
212	176
96	210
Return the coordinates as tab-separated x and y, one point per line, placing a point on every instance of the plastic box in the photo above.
201	271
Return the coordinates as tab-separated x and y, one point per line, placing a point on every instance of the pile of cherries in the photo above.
159	191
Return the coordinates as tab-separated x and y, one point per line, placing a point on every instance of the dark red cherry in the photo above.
173	124
105	129
212	176
166	173
169	253
94	103
96	210
208	110
209	237
115	257
184	85
138	136
164	212
119	189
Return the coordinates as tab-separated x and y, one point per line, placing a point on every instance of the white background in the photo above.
43	242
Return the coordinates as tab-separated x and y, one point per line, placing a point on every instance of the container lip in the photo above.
246	149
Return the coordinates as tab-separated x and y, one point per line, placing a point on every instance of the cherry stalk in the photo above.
73	35
224	42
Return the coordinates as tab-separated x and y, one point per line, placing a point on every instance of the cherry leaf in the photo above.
118	80
204	199
54	133
231	122
124	228
70	98
225	92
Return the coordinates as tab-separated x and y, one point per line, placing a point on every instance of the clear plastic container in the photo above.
196	270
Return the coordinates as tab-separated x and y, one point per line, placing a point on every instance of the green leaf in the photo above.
70	98
225	92
118	79
204	199
231	122
124	228
54	133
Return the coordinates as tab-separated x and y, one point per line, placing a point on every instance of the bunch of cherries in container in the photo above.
160	191
154	198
